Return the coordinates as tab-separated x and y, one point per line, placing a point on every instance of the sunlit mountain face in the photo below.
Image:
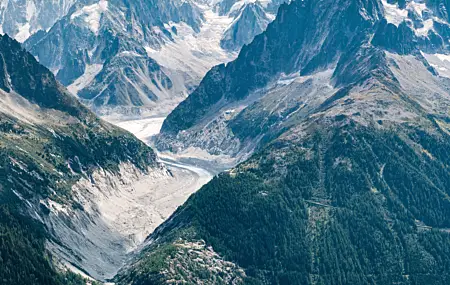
141	58
292	142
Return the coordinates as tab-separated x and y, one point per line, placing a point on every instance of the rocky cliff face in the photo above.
181	40
310	44
98	50
22	18
346	106
251	20
49	144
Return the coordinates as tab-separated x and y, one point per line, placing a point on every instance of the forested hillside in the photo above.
48	142
347	205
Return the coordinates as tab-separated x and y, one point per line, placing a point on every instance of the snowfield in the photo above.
92	15
195	53
143	129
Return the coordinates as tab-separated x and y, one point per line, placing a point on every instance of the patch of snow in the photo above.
421	85
418	7
441	62
92	14
24	33
427	26
89	74
143	129
394	14
239	4
195	52
30	10
130	53
231	111
443	57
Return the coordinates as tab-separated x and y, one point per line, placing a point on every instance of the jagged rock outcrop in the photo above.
49	142
22	18
251	20
182	37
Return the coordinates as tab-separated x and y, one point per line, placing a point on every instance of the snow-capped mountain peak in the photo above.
91	15
170	46
22	18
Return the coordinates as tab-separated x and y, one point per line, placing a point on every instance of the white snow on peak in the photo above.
92	14
24	33
194	52
21	19
25	29
239	4
393	13
418	7
427	25
130	53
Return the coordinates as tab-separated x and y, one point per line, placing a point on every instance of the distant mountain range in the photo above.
134	58
22	18
338	113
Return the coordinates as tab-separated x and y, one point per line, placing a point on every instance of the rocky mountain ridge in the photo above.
134	57
223	101
347	110
53	155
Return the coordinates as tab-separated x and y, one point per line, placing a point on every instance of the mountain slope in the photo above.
307	45
139	57
345	205
49	145
307	41
22	18
349	183
251	20
98	50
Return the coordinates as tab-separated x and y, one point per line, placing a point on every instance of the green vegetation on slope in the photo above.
48	141
352	205
22	258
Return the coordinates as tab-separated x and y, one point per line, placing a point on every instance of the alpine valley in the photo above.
77	193
325	123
